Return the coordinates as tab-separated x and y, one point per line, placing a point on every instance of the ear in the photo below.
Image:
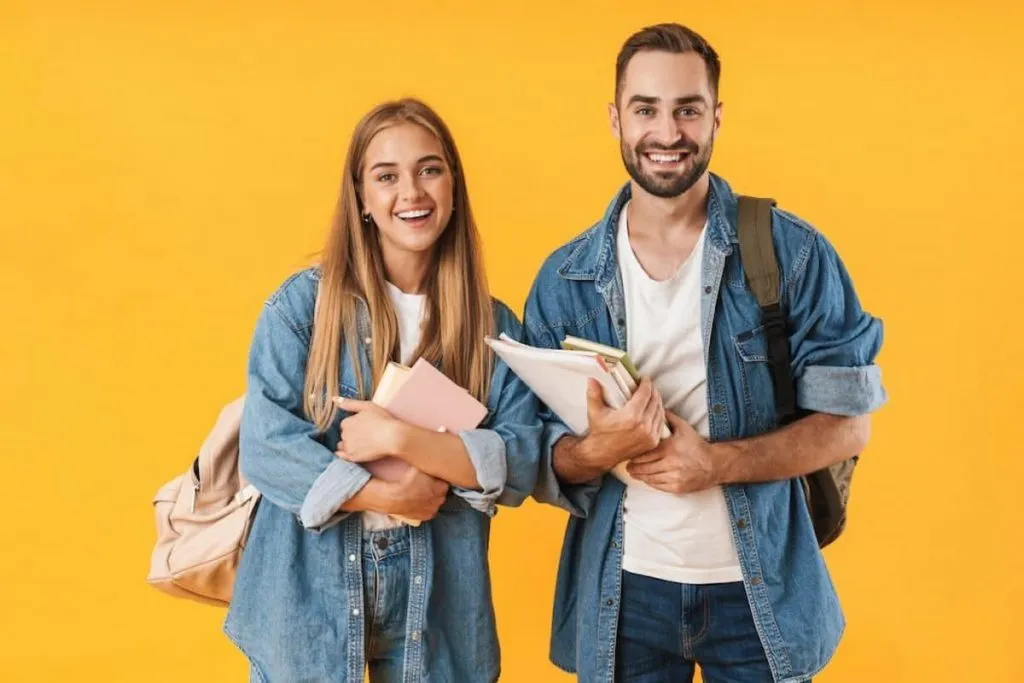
613	121
718	120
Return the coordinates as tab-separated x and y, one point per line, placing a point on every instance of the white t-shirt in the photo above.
681	538
409	309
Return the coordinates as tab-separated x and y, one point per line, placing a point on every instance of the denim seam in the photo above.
799	266
619	537
706	627
378	604
539	328
292	326
759	622
273	298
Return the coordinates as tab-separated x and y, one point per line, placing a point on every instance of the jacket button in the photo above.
382	543
741	523
756	581
718	409
609	602
707	290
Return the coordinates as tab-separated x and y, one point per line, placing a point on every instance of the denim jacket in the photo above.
833	345
297	606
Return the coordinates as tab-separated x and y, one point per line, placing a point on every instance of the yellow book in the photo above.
609	352
391	381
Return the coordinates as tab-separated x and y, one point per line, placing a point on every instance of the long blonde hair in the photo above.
458	309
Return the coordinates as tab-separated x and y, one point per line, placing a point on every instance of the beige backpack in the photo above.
203	518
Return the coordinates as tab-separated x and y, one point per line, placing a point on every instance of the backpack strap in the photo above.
757	253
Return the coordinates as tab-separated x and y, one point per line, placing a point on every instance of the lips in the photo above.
666	159
415	217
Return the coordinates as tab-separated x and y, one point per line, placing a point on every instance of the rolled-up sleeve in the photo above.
279	449
834	342
486	451
505	453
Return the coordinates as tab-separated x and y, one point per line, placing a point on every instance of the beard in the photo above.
667	184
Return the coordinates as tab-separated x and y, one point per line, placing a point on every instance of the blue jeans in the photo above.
386	600
665	628
385	603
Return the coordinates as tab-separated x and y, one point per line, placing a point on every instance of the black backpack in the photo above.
827	491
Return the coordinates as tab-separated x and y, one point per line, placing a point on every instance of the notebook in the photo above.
610	353
559	378
423	396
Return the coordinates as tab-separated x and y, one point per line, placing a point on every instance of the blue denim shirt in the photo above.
297	610
833	344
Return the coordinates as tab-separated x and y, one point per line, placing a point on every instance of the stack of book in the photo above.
559	376
422	396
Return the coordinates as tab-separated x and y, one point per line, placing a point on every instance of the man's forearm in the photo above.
800	448
571	460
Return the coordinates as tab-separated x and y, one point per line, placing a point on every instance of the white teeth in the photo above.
414	214
664	158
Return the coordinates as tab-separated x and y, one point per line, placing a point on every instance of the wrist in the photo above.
600	452
375	496
399	439
724	457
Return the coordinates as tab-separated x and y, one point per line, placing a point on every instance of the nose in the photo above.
409	188
667	131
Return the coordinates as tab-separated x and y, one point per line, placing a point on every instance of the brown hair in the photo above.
458	309
672	38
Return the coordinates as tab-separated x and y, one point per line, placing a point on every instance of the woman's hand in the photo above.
369	432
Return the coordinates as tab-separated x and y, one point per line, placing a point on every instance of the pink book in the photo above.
427	399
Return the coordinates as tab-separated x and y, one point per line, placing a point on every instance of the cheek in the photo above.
377	200
443	193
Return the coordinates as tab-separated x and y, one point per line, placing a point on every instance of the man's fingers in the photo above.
638	401
646	469
650	456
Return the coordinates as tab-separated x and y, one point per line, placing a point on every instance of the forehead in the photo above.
665	75
402	143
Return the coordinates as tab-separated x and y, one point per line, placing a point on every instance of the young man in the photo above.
696	549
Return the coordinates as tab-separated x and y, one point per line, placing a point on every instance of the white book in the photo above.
559	378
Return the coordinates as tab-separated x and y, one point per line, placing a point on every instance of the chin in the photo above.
419	245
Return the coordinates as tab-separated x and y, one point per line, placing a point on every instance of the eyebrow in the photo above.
644	99
421	160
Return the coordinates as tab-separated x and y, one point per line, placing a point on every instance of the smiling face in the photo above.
666	119
406	188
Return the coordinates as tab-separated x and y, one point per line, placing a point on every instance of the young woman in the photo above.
331	583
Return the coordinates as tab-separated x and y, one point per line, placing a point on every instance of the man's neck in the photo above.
668	219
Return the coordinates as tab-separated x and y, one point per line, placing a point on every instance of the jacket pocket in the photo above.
756	375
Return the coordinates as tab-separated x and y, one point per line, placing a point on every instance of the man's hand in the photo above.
682	463
613	436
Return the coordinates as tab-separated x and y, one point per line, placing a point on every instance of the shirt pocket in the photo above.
755	372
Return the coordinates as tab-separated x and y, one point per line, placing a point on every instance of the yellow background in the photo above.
163	168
